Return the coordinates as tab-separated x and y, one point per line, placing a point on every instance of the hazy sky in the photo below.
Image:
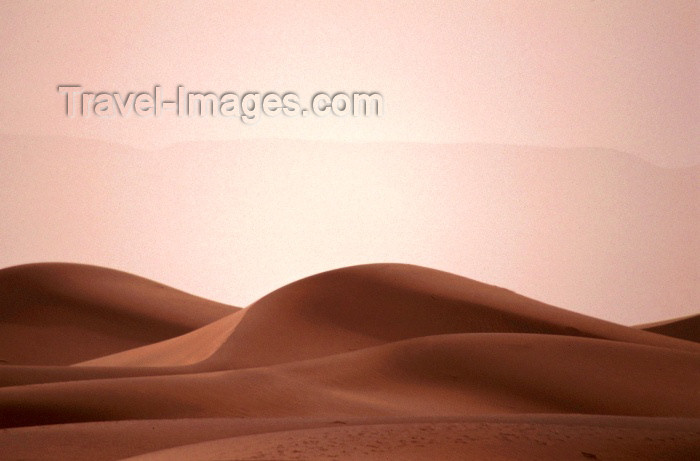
615	239
617	74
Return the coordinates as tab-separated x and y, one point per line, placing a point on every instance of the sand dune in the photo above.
367	362
365	306
687	328
75	312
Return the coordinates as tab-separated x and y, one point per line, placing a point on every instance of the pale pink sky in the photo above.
601	233
618	74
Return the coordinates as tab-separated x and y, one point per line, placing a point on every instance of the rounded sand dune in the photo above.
364	306
58	313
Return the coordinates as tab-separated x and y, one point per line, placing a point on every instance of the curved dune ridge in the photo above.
377	361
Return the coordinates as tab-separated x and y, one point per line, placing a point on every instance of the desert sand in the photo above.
382	361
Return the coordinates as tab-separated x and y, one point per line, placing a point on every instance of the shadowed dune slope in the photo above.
58	314
687	328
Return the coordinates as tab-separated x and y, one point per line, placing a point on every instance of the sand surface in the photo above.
374	362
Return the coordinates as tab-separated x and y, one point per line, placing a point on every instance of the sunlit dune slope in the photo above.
58	314
188	349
